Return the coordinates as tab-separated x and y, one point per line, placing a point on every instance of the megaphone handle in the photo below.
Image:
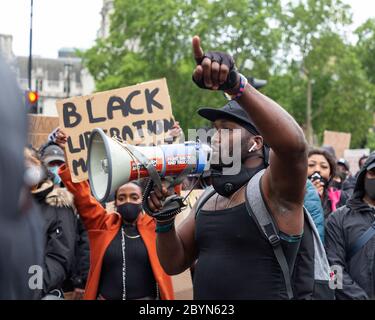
173	204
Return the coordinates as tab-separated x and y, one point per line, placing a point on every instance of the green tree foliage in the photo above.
288	44
341	91
149	40
366	47
370	143
152	39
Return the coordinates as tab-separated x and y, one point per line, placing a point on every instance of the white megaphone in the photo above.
112	163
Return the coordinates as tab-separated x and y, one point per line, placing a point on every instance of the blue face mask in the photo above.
56	177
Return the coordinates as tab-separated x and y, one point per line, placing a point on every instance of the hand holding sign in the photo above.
214	70
174	133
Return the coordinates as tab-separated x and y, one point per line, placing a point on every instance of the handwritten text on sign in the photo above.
139	114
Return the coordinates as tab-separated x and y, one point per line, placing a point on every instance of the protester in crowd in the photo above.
234	260
53	157
314	206
350	238
337	182
57	209
124	262
21	226
321	171
347	179
343	169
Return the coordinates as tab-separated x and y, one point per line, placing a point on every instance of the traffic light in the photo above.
31	99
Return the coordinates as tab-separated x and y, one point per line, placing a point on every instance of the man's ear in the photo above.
256	143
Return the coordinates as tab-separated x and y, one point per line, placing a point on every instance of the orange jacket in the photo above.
102	227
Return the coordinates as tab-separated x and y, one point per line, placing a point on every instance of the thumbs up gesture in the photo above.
214	70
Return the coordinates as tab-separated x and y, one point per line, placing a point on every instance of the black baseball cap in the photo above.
231	111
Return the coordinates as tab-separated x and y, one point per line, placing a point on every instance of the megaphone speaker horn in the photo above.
106	156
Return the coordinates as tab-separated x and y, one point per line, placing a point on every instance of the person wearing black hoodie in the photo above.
344	229
53	157
57	208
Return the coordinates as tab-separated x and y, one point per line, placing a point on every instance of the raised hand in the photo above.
214	70
61	138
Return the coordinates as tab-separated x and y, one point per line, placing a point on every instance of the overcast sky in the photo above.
74	23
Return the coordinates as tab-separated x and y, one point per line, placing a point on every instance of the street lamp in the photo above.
30	43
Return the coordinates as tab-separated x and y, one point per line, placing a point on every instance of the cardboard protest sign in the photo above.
39	129
353	156
340	141
139	114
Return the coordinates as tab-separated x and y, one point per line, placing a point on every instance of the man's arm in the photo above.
284	181
176	248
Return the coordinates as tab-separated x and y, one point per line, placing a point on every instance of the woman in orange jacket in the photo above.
123	258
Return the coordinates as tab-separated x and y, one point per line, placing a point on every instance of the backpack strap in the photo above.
361	241
265	223
207	194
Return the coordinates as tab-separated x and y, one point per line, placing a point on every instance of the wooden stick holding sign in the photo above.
140	114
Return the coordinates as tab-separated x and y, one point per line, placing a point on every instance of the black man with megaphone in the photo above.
221	234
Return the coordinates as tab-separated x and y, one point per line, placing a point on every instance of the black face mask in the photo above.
226	185
370	188
129	211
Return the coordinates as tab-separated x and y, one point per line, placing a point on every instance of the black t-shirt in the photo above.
235	260
139	278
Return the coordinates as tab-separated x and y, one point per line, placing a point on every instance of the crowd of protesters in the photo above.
274	230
